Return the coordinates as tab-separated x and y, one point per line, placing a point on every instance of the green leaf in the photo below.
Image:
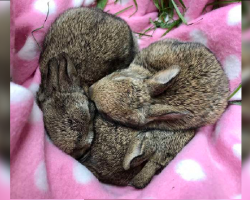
123	10
162	24
151	21
163	16
171	10
172	25
162	4
179	13
156	2
182	4
235	91
239	103
147	30
101	4
143	34
136	8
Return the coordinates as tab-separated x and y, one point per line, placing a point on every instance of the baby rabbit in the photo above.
170	85
97	43
94	42
66	109
123	156
118	155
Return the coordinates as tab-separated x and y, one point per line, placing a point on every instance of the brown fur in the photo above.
84	45
98	43
170	85
66	109
123	156
118	155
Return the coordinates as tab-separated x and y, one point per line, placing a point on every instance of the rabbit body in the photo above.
170	85
123	156
97	43
75	56
115	154
82	46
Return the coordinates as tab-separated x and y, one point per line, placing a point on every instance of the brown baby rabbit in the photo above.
123	156
170	85
66	109
95	43
118	155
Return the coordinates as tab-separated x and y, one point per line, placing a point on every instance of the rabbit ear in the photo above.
159	112
158	83
138	151
67	72
52	76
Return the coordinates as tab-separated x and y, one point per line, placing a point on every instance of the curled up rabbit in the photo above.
95	43
118	155
123	156
170	85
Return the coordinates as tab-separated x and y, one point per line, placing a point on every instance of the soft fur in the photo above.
90	44
170	85
124	156
118	155
211	148
97	43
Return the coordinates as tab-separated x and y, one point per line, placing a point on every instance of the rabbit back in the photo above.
97	42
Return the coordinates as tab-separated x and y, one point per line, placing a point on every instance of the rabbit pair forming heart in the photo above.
124	114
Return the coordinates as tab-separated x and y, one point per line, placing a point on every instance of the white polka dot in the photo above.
36	114
5	174
34	87
88	2
81	174
237	150
234	16
198	36
19	93
42	6
237	96
190	170
30	50
41	177
77	3
237	197
123	2
232	67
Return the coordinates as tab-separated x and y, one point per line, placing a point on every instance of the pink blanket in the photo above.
209	167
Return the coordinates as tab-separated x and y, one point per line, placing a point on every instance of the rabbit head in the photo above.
66	109
170	85
126	95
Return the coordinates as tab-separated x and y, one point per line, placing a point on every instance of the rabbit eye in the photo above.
70	121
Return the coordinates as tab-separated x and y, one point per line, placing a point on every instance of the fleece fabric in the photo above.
209	167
